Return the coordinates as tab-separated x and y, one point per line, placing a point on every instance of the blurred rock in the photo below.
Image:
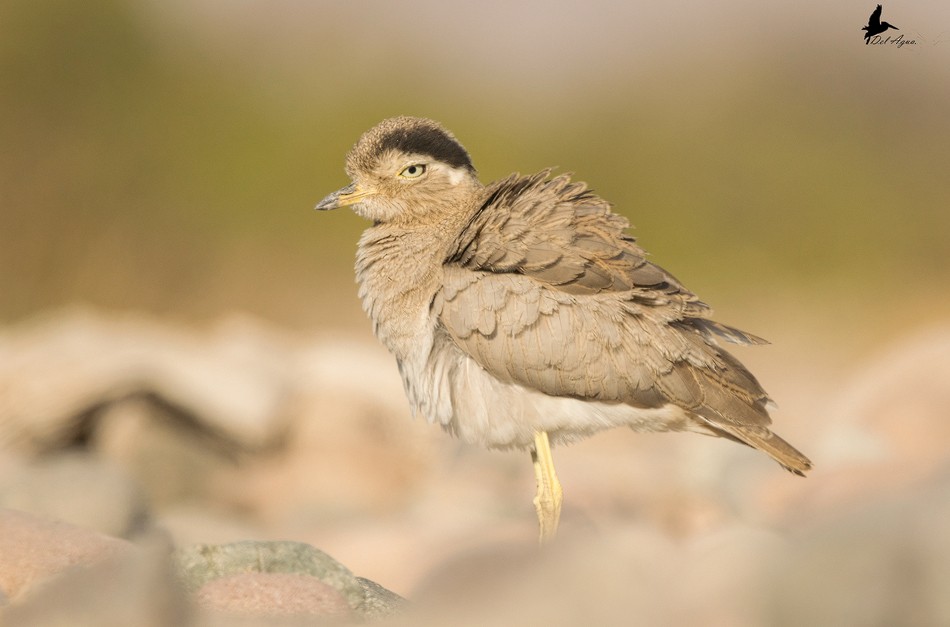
56	373
352	446
378	602
172	458
278	578
33	549
79	489
613	578
202	564
885	433
239	415
883	563
196	523
136	587
273	595
894	411
719	580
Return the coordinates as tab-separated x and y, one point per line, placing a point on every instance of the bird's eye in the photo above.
413	171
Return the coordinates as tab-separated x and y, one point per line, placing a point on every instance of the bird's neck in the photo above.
399	271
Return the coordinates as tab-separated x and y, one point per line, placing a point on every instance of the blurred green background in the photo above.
166	156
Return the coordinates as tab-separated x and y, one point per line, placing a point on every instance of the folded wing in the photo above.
546	289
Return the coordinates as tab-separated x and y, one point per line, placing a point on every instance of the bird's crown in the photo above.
408	135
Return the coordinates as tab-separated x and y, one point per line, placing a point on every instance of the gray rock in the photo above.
203	563
378	602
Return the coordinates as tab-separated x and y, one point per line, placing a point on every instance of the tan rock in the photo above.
273	595
79	489
33	549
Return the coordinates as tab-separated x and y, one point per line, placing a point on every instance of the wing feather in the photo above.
545	288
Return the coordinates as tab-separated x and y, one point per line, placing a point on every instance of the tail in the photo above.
761	438
727	399
790	458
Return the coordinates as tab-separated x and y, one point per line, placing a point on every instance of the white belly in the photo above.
468	401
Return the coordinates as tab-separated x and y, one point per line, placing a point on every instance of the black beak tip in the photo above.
325	205
333	200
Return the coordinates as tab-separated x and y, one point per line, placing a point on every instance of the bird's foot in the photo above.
547	502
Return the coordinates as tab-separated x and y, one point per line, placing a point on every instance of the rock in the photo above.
134	587
621	577
56	373
886	433
882	563
203	564
893	412
58	574
378	602
196	524
272	595
170	456
78	489
33	549
260	578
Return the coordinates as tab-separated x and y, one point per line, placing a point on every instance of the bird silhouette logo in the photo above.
875	25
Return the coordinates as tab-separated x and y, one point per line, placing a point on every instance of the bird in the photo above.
875	25
522	314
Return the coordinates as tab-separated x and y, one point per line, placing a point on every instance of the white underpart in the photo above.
465	399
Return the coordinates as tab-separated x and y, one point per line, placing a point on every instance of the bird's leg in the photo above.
548	500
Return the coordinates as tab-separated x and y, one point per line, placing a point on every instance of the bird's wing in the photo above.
557	232
875	19
563	236
615	347
544	288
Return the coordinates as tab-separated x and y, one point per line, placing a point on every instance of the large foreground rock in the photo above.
280	578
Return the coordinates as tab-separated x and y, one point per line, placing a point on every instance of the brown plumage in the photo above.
525	307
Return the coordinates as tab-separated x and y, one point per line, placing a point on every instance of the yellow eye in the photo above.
413	171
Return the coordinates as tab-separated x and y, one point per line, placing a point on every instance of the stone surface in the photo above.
886	432
33	549
378	602
136	587
611	578
79	489
881	563
171	456
57	372
199	565
259	594
672	529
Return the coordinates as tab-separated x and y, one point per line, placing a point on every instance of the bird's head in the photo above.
405	169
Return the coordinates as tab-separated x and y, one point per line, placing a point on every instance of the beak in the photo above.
349	195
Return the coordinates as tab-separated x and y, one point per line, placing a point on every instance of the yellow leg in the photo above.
548	500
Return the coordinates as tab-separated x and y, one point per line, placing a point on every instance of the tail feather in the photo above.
789	457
